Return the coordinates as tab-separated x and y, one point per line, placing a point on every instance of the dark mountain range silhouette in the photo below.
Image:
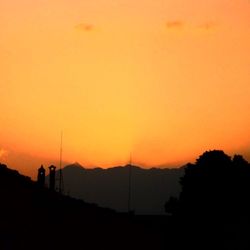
150	188
38	218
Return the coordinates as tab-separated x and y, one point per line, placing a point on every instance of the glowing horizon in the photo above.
164	80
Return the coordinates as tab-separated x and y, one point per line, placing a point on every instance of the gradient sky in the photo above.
163	80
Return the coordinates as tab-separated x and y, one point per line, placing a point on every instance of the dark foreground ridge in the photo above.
37	218
211	212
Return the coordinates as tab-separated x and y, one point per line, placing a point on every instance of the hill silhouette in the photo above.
37	218
150	188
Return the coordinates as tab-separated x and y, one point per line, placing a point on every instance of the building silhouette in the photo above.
52	177
41	176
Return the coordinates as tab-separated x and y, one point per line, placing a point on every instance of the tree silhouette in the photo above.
215	185
215	192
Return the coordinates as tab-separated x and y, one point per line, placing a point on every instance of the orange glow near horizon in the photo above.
164	80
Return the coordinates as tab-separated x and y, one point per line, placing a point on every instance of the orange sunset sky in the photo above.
163	80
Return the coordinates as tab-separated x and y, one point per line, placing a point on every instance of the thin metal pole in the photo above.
60	165
129	184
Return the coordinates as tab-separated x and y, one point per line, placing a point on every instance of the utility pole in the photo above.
60	168
129	183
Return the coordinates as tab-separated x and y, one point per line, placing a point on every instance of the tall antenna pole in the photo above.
129	183
60	167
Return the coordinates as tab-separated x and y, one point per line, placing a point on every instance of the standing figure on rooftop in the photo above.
41	176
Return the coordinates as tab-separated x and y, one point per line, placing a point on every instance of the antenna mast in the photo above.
129	183
60	167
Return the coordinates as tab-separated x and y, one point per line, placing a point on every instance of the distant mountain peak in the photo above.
133	167
75	165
